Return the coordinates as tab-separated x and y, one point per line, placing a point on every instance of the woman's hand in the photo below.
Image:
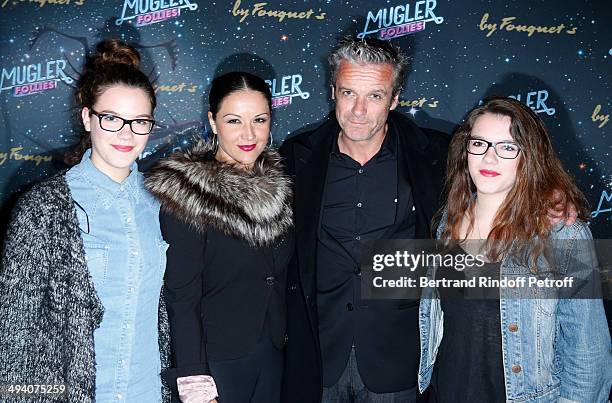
197	389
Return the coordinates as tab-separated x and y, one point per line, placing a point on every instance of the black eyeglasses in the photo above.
112	123
503	149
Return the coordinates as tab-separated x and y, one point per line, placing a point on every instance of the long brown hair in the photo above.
541	183
114	63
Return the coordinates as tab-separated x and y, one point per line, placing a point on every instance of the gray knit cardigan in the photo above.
48	306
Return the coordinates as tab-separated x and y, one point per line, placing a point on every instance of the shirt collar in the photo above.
108	189
389	145
335	151
387	148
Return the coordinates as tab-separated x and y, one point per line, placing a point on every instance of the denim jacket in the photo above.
554	350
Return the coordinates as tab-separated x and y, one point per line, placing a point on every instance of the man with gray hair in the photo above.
367	172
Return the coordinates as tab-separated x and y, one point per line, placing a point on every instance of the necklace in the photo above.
476	220
477	227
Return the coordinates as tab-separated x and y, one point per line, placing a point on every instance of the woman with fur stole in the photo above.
226	214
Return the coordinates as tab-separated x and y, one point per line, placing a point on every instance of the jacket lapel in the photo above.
415	160
311	168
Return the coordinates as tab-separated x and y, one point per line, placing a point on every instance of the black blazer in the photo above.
219	291
388	353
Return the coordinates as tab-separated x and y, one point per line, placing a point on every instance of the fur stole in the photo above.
203	192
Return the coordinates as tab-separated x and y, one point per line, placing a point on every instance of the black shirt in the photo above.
359	203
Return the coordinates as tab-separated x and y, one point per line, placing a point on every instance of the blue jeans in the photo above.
351	389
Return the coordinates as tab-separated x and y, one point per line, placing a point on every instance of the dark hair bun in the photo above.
114	63
114	51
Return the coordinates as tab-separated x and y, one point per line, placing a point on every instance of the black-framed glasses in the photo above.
503	149
113	123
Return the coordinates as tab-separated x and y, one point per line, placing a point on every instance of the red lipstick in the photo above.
489	174
249	147
123	149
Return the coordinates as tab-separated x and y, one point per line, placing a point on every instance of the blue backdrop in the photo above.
554	56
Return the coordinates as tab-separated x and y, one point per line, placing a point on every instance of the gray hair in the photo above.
368	51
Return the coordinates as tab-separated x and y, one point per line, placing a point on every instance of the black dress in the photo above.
469	364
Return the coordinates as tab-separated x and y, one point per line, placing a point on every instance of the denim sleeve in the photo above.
584	340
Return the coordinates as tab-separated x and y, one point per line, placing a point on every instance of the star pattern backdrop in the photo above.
554	56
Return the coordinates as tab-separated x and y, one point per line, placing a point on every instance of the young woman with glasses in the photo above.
84	259
514	344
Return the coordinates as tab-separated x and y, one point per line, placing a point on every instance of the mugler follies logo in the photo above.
536	100
604	205
400	20
147	12
285	89
28	79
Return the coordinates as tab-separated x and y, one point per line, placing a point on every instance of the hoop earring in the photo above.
271	142
214	142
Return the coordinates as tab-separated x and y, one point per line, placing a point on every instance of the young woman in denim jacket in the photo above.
503	178
83	264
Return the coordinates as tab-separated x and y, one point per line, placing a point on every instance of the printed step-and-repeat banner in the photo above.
554	56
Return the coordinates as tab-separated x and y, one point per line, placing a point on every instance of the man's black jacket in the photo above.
387	334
